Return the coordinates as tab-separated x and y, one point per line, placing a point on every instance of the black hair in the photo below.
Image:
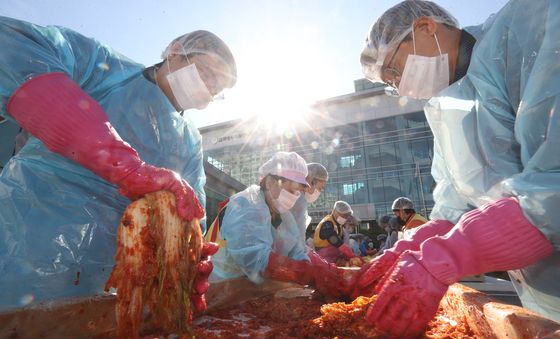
262	184
276	219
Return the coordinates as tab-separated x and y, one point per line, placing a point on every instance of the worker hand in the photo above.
370	274
147	179
407	299
328	279
493	237
200	285
346	251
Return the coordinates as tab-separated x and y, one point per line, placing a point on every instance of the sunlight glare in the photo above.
278	84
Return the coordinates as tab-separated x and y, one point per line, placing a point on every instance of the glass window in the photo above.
388	155
416	119
350	161
392	189
420	149
330	193
361	193
346	193
408	186
373	157
349	189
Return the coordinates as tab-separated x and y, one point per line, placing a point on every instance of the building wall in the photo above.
375	147
219	187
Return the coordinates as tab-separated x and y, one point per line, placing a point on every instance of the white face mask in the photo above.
341	220
188	88
311	197
285	201
423	77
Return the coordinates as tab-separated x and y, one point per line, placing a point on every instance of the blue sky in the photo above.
290	53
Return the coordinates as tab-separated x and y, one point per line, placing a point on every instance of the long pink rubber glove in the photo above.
325	277
372	272
58	112
494	237
329	279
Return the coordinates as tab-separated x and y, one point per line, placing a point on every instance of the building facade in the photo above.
376	148
219	187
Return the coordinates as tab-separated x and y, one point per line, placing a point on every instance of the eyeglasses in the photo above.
389	73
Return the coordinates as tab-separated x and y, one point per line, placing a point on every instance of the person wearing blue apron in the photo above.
495	97
104	129
259	237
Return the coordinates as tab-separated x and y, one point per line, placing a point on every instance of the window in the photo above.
350	160
216	163
349	189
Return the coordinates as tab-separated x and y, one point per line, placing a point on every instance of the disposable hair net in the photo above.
317	171
57	218
496	134
342	207
402	203
392	28
204	42
250	237
289	165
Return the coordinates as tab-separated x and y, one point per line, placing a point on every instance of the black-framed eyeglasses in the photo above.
389	73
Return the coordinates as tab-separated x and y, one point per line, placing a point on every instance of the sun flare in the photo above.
277	86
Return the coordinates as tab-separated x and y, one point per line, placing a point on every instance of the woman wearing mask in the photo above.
317	177
258	235
105	129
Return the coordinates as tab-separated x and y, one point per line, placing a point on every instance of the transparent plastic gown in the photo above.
58	220
497	134
250	237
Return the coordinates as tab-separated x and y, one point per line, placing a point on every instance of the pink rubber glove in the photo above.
494	237
407	292
328	279
325	277
200	285
346	251
58	112
287	269
373	271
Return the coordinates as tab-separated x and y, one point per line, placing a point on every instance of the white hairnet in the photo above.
392	28
289	165
317	171
342	207
204	42
402	203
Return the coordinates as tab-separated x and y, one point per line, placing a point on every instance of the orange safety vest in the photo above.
415	221
213	234
322	243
